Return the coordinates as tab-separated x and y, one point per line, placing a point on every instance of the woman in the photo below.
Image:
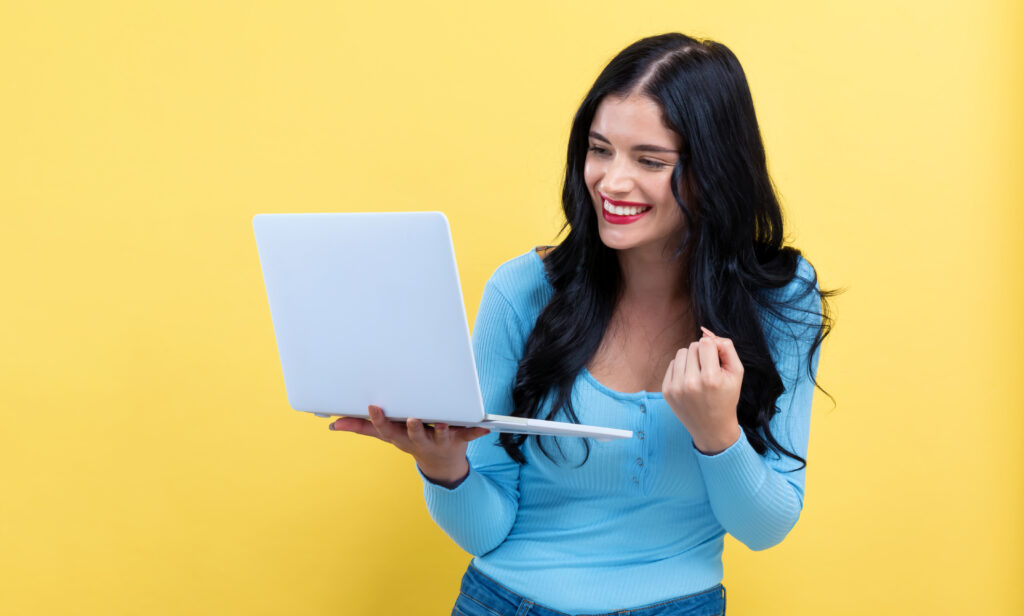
671	309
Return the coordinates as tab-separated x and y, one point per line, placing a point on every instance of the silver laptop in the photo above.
367	309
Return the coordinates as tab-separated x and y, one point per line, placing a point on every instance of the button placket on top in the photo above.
639	460
638	407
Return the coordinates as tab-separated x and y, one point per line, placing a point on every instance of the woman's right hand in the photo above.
440	451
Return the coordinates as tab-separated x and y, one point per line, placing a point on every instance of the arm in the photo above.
479	511
752	496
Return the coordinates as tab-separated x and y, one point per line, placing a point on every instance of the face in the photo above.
630	159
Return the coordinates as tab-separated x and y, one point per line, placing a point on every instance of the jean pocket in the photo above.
466	605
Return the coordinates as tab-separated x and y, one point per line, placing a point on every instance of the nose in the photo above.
617	181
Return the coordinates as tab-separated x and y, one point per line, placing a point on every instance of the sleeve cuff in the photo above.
742	437
739	467
436	488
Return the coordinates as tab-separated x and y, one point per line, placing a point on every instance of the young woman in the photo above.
671	309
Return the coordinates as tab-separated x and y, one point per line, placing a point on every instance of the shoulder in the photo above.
523	282
804	282
794	309
802	289
518	270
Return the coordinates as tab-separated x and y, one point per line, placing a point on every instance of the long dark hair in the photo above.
732	244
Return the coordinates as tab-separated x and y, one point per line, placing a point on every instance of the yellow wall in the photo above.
150	463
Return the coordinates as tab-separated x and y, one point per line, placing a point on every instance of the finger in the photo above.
691	375
355	424
418	433
442	434
387	431
469	434
668	377
680	369
730	358
707	332
708	351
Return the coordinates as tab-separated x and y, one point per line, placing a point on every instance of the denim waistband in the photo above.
480	595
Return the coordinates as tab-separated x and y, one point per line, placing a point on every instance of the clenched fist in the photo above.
702	385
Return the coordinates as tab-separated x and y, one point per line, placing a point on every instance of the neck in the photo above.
653	279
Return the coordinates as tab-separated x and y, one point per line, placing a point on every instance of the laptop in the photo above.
367	309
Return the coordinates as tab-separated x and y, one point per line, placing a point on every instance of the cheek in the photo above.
590	174
670	202
677	219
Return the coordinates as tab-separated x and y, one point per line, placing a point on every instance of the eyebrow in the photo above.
637	148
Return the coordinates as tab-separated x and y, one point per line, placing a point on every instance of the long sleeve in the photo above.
753	496
478	513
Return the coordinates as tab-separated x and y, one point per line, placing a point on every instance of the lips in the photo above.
624	203
623	216
619	218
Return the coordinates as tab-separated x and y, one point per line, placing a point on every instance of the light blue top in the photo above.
644	518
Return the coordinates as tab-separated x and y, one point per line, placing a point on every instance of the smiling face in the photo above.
629	164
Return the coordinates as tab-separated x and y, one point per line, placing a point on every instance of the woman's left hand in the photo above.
702	385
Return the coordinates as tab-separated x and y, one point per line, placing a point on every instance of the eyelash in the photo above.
649	163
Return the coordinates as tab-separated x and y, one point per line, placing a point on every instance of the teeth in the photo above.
623	211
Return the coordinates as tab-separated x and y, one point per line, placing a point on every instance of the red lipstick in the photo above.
618	219
615	219
624	203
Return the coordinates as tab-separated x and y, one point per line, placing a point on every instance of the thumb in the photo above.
728	357
471	434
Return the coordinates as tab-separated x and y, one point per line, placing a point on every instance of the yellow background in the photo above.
150	462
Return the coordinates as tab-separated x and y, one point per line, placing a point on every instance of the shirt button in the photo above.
639	461
640	435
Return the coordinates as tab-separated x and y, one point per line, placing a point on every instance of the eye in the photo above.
650	164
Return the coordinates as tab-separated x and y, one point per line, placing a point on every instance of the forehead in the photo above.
634	119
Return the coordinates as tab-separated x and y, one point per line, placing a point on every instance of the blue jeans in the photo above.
482	596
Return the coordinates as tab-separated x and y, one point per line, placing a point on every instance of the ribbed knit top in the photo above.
643	519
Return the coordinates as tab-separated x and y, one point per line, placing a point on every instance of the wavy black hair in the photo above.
732	245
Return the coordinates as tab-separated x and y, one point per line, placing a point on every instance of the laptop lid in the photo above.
367	309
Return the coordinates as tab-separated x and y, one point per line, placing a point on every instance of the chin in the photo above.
615	240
